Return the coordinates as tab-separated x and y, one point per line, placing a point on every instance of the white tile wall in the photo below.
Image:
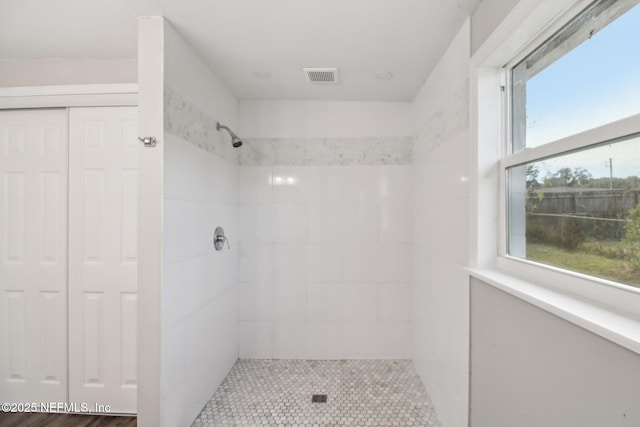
255	186
323	184
201	186
394	224
324	340
324	301
360	262
289	263
193	366
290	224
395	184
361	185
258	223
289	340
325	264
291	301
256	339
199	289
292	185
256	262
440	297
257	301
325	223
343	301
376	340
394	262
194	273
394	298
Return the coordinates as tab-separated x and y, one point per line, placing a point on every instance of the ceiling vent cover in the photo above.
323	76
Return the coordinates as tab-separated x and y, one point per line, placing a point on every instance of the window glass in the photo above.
580	211
585	76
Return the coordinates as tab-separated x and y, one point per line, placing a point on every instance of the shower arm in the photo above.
219	126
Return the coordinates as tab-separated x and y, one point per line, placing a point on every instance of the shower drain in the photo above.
319	398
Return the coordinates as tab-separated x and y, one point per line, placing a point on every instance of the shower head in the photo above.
235	141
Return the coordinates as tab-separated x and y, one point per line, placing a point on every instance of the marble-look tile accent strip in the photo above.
188	122
359	393
326	151
449	120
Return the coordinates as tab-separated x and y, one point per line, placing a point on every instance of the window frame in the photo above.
620	296
612	311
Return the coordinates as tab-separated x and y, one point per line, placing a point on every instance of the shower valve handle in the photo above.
219	239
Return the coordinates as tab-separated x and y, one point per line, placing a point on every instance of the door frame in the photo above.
103	95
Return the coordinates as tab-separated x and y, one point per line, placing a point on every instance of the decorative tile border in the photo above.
188	122
449	120
326	151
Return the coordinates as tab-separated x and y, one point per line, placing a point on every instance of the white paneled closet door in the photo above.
33	256
103	185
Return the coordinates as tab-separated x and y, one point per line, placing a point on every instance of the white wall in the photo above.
51	72
199	316
487	16
530	368
328	119
325	265
441	233
150	213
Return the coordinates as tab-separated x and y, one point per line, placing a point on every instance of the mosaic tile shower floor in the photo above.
359	393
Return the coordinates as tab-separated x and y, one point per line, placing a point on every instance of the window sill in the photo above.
616	326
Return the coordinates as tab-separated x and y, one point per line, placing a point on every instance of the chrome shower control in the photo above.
219	239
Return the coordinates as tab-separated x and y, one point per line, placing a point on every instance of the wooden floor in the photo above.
63	420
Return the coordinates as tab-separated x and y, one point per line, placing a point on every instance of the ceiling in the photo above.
244	41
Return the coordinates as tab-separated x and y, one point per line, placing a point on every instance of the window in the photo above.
572	175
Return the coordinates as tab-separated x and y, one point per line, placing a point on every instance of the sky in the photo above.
624	155
596	83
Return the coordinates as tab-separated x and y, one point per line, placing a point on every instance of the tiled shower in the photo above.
325	252
327	206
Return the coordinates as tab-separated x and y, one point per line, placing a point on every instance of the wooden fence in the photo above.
599	214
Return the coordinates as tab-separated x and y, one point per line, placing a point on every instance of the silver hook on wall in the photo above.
148	141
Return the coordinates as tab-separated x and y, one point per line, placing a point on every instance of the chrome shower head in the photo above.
235	141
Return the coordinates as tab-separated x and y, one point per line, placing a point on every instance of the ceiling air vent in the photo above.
323	76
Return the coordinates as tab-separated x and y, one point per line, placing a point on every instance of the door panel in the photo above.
33	255
103	257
